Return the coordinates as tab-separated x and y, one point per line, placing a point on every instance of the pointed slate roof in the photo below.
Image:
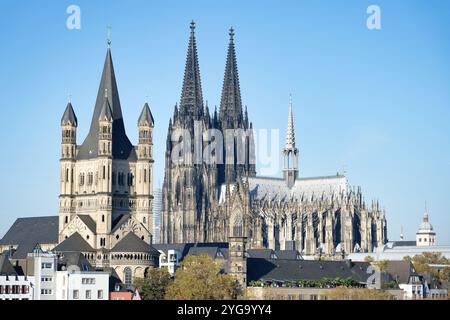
6	268
75	243
290	136
88	221
132	243
146	117
106	112
191	102
121	145
231	104
69	116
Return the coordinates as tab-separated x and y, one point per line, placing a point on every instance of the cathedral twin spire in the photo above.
230	104
191	102
191	105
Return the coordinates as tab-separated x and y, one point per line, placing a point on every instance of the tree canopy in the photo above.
154	285
199	278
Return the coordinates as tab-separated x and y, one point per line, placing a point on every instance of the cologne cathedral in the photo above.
212	201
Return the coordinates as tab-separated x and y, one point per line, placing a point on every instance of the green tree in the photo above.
154	285
382	265
199	278
422	263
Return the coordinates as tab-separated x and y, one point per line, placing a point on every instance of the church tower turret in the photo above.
105	121
69	125
290	152
144	183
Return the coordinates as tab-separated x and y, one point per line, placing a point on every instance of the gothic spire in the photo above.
191	102
290	136
230	104
69	116
121	145
146	117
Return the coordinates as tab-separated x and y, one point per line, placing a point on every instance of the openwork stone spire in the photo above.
191	103
290	136
230	104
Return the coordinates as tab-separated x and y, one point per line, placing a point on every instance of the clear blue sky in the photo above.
377	102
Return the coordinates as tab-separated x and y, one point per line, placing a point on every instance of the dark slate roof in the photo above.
74	259
404	244
69	116
260	253
132	243
288	254
75	243
34	229
106	112
210	248
119	221
146	117
213	252
294	270
121	145
88	221
24	249
400	271
6	268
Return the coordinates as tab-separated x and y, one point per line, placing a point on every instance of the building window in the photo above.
46	265
144	220
88	294
103	218
100	294
127	275
46	291
145	175
104	172
66	219
76	294
46	279
88	280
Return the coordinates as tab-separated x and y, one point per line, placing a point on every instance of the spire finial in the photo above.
146	99
192	26
108	39
426	210
231	33
69	98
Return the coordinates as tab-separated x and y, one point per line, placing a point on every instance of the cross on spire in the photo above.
108	38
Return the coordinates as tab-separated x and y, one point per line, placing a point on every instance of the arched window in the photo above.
127	276
145	175
103	218
144	220
66	220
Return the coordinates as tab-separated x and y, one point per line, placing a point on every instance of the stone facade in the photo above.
106	183
207	202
